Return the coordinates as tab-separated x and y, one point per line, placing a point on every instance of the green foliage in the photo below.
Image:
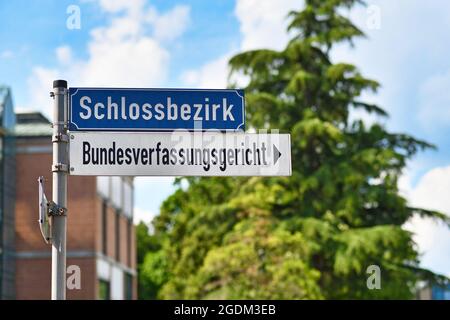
153	274
311	235
152	266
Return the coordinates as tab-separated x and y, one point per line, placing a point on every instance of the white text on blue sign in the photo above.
102	109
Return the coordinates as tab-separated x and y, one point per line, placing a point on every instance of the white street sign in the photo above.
179	154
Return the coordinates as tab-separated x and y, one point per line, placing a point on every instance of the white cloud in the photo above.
115	6
64	55
263	24
139	62
171	24
122	53
39	86
211	75
142	215
433	238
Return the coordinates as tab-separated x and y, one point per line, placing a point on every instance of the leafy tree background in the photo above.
312	235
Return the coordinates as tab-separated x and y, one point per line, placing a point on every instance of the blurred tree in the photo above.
150	264
314	234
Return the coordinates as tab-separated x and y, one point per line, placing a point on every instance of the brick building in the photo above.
100	232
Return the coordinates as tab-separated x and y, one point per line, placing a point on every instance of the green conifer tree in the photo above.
312	235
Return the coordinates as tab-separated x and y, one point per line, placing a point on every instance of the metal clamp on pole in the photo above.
55	210
60	167
58	207
60	137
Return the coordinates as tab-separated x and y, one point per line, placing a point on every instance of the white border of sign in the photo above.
269	155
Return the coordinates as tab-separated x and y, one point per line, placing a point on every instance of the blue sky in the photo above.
187	43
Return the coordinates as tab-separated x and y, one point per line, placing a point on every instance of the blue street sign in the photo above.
110	109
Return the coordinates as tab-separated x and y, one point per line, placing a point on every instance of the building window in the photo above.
117	227
116	191
104	290
128	287
103	187
104	227
128	199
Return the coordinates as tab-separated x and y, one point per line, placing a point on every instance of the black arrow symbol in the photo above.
276	154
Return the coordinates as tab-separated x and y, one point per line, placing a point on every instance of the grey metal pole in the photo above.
59	192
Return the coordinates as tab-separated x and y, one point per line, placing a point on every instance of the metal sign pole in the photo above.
59	171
